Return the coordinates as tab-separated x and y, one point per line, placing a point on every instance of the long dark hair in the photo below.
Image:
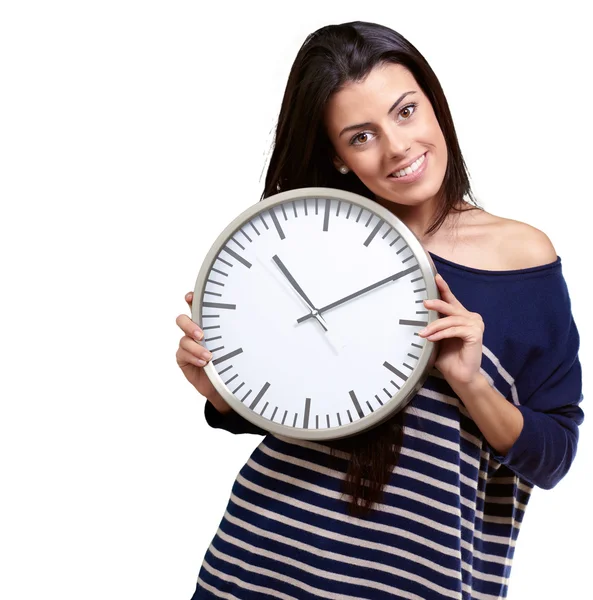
302	156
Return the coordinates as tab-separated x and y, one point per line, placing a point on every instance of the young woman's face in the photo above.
382	125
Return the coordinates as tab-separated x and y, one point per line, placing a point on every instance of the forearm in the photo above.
499	420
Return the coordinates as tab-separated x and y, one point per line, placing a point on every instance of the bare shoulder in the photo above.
520	245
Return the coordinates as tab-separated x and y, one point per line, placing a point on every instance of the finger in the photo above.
445	291
184	357
189	345
464	332
444	323
443	307
189	327
189	297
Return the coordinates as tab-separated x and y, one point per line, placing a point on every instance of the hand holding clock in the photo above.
192	358
460	333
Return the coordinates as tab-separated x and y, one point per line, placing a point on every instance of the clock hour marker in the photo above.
413	323
307	409
237	257
326	216
356	404
227	356
277	224
219	305
260	395
394	370
373	233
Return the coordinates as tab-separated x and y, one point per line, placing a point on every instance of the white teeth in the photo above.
413	167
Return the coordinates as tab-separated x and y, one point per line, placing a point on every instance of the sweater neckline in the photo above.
458	267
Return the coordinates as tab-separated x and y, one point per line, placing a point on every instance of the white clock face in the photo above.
311	304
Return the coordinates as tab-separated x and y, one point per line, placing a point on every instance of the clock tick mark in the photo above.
219	305
277	224
238	244
356	403
237	257
245	235
373	233
227	356
395	240
413	323
260	395
326	215
307	409
226	262
394	370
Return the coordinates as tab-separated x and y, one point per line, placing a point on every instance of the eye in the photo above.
358	136
406	109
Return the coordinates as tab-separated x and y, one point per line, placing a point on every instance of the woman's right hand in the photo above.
193	357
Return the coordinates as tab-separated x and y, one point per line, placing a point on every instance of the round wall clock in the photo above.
310	302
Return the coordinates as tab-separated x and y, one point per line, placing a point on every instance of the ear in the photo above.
338	162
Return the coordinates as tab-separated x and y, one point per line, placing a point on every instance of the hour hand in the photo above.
393	277
299	290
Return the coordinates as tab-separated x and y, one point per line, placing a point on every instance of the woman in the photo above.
429	504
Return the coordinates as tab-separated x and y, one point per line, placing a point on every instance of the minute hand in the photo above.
363	291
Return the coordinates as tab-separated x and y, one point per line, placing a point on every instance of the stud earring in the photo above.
344	169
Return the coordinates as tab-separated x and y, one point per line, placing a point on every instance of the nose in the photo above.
397	143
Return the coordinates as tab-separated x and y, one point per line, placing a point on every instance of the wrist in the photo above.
475	388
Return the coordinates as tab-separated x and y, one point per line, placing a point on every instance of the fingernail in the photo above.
198	335
422	332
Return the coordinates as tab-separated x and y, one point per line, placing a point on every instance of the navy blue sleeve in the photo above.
549	389
231	422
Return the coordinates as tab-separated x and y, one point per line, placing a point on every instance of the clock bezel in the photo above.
427	356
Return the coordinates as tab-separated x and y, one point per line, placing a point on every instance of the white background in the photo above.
131	134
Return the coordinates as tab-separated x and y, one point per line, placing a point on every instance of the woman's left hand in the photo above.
460	333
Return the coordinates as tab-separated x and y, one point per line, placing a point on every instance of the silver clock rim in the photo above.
427	356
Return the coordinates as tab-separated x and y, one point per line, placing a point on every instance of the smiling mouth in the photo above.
410	169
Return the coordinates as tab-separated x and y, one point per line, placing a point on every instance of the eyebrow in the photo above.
393	107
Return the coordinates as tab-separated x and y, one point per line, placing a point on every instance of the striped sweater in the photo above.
452	510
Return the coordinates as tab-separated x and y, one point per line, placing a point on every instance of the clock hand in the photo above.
300	292
394	277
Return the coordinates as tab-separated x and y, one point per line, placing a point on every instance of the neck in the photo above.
416	218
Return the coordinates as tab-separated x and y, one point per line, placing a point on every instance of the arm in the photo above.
220	415
538	443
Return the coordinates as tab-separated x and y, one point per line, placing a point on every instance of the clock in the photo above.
311	302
